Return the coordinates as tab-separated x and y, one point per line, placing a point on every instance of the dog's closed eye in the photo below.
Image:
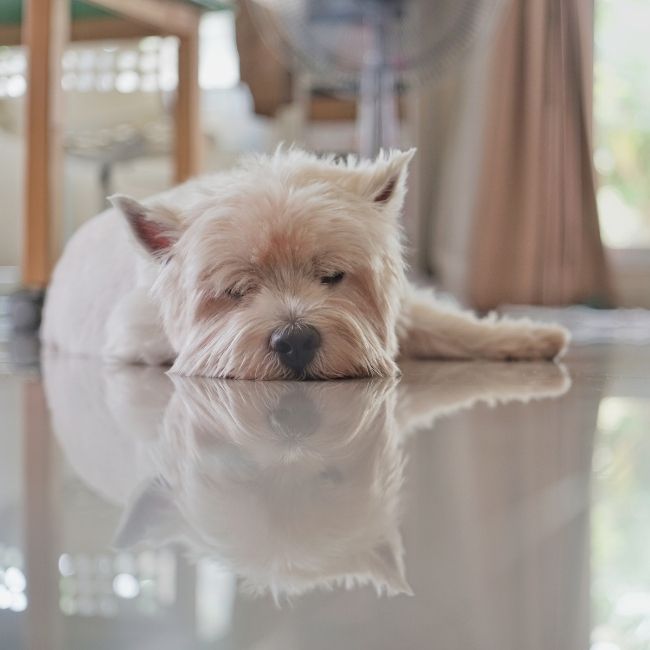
239	291
334	278
234	293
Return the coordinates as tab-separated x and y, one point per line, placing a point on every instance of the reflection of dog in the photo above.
288	266
283	483
292	485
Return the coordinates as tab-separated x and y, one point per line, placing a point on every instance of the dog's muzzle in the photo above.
296	346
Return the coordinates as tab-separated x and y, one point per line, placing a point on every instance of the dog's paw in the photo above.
554	341
536	342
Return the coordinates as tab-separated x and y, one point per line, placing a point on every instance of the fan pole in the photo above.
377	106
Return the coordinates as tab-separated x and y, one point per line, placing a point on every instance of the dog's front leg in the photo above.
134	332
428	329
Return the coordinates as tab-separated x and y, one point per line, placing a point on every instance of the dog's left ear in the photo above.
384	180
155	228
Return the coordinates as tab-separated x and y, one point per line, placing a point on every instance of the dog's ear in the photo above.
151	516
383	181
156	228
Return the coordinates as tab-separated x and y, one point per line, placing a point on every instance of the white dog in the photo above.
289	266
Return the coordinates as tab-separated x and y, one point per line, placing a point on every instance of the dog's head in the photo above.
289	266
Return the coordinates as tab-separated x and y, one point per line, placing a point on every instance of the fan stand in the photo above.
377	123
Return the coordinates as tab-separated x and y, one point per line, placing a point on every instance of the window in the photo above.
622	121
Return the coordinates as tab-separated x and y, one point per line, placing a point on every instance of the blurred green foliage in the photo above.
622	103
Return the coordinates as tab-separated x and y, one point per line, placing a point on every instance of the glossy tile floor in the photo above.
466	506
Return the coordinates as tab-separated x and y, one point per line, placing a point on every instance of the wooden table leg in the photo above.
46	26
187	148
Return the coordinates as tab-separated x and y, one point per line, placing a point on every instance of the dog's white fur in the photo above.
225	260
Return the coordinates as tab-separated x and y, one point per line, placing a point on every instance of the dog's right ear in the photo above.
156	228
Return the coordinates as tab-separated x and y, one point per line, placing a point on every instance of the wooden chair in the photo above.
44	27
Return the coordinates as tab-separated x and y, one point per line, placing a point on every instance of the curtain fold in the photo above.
536	238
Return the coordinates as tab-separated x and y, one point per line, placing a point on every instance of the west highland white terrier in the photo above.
288	266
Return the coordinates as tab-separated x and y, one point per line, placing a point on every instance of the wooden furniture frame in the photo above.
46	29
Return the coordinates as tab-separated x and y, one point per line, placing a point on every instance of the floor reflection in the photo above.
449	506
290	485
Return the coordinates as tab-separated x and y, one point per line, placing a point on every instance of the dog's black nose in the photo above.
295	345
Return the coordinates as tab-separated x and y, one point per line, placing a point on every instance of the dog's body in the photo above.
289	266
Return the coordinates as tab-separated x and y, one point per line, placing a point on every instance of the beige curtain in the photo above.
535	237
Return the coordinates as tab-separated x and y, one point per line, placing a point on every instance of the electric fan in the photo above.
375	48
